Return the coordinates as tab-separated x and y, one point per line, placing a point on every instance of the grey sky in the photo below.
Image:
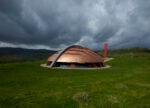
58	23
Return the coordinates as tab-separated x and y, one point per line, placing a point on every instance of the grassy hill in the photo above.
9	55
125	85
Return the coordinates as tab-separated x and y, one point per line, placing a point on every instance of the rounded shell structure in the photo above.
75	57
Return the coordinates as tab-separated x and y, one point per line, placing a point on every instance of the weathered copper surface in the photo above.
77	54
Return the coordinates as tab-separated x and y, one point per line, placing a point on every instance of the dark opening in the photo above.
78	65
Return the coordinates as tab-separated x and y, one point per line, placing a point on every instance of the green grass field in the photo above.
125	85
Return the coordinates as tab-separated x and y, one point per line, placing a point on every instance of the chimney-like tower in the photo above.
105	50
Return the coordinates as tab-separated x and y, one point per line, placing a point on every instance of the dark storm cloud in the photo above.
58	23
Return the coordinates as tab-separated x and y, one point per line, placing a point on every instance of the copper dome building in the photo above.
75	57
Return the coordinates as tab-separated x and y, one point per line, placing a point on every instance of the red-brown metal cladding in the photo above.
77	54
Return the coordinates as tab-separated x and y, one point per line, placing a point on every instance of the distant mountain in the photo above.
19	54
6	51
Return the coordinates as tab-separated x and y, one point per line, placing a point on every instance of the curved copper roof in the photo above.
77	54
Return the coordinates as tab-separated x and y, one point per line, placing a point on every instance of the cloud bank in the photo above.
59	23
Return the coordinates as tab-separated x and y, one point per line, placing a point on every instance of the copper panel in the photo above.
78	55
